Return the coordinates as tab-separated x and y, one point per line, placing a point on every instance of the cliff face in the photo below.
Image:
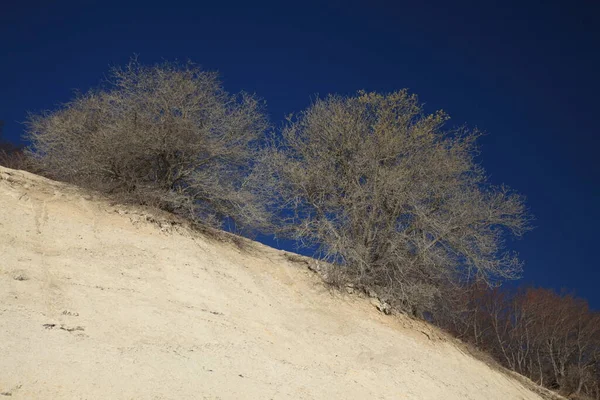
99	301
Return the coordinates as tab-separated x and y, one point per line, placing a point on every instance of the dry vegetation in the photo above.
390	196
554	339
166	135
393	200
12	156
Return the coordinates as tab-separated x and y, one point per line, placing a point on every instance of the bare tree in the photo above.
166	135
390	196
553	339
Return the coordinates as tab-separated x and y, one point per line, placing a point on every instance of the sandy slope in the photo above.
98	303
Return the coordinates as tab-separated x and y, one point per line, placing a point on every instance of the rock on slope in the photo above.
103	302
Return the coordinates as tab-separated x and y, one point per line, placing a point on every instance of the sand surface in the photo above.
97	301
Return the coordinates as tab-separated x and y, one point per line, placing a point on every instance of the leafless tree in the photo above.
553	339
389	195
166	135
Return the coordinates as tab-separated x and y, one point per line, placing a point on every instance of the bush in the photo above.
166	135
390	196
12	156
15	159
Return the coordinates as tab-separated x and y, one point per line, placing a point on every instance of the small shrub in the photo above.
12	156
14	159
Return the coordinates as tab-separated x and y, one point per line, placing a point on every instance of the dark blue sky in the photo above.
527	73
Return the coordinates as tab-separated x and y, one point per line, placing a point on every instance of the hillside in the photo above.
100	301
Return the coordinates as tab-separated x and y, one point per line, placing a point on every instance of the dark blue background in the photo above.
525	72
